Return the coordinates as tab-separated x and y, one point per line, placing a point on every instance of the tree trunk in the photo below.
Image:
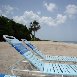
34	35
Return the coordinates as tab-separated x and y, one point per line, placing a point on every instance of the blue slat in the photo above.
2	75
57	58
46	68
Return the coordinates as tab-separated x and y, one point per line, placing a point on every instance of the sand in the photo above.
57	48
8	55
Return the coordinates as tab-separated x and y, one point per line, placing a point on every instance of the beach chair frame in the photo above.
48	69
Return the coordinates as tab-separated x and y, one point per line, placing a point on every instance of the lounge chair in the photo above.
44	68
49	57
4	75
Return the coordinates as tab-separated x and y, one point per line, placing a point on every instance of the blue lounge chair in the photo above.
4	75
45	68
47	57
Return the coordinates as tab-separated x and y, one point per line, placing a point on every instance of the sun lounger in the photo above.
33	59
4	75
47	57
45	68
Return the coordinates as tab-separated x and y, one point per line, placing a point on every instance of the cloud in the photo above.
26	18
61	18
50	7
30	16
1	13
53	21
39	12
6	10
71	10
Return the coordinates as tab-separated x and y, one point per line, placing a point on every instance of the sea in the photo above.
74	42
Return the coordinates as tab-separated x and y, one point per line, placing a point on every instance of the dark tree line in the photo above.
9	27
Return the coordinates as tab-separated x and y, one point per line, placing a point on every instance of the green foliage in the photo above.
34	26
9	27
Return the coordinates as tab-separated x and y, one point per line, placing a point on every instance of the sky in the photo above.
57	18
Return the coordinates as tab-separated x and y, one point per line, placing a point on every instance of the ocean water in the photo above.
74	42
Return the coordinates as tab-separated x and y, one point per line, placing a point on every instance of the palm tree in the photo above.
34	26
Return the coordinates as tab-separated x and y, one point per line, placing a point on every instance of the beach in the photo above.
9	56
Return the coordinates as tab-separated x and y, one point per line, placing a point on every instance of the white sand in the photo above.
57	48
8	55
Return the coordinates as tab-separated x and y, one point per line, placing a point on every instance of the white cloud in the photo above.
6	10
38	12
20	19
60	18
26	17
1	13
71	10
53	21
29	16
50	7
